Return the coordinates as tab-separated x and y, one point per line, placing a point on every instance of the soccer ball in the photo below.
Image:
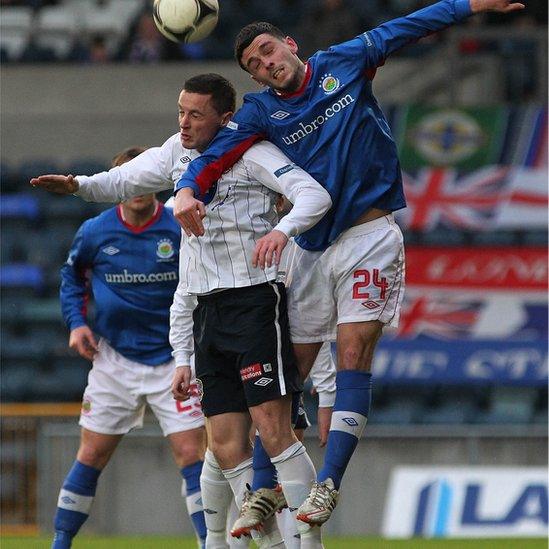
185	20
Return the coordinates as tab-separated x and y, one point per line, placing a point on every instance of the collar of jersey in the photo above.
308	72
156	215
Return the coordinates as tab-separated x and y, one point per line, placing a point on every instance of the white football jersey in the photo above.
241	211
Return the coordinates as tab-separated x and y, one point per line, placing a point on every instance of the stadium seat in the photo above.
56	28
59	208
87	166
60	380
534	238
512	405
9	178
450	413
15	386
495	238
35	167
16	275
19	205
443	237
403	412
15	29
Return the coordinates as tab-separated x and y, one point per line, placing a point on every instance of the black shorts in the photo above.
243	353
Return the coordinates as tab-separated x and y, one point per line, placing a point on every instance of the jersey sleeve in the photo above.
268	165
323	376
230	143
181	325
374	46
74	291
147	173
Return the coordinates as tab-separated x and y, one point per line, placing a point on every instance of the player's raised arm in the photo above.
393	35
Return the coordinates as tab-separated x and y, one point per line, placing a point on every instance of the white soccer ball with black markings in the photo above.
185	20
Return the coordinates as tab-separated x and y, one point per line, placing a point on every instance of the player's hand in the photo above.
501	6
324	418
59	184
189	212
83	342
268	249
181	383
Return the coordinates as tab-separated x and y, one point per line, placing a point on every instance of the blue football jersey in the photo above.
332	127
134	274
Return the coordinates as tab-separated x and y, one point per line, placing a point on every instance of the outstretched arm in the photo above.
393	35
147	173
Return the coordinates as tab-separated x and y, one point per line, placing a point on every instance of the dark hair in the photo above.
222	91
248	33
126	155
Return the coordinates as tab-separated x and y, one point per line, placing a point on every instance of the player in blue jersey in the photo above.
132	253
346	277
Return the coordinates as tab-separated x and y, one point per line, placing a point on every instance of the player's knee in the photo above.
187	454
229	453
94	456
275	437
352	359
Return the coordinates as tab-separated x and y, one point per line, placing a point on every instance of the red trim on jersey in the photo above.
212	172
134	229
289	95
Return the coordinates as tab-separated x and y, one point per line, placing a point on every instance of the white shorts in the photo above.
118	389
360	277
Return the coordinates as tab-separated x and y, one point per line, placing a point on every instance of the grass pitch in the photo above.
151	542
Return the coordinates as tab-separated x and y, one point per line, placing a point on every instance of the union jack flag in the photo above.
441	197
445	318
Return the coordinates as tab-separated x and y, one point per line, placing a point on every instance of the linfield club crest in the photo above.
329	83
164	249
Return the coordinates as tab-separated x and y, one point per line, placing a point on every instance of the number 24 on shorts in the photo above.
364	282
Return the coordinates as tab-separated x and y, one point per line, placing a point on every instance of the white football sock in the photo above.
217	497
296	474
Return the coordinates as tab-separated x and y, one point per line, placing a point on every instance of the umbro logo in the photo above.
370	304
185	159
67	500
351	421
280	115
110	250
210	511
263	382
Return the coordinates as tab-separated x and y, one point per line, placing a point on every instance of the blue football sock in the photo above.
74	503
193	494
264	470
351	408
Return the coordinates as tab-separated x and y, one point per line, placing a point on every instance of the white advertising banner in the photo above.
466	502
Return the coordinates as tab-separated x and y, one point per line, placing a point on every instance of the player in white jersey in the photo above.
155	169
131	360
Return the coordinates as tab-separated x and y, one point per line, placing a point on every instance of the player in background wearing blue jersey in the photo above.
132	251
348	269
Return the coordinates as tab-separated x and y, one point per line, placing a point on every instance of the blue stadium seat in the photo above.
495	238
33	168
87	166
21	275
444	237
19	206
8	178
16	381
